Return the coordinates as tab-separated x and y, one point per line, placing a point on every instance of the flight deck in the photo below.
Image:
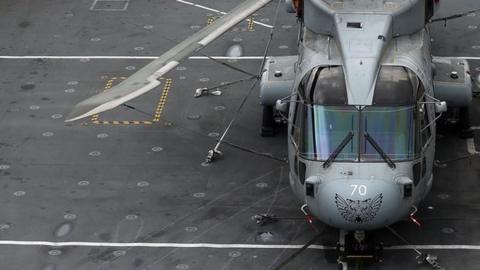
130	189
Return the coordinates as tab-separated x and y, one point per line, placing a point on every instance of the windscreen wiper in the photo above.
337	150
377	147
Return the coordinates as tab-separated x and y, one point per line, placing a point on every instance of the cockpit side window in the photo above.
325	86
302	87
425	132
395	86
422	119
298	111
298	123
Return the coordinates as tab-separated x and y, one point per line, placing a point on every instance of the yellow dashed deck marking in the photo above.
167	84
162	100
251	24
211	19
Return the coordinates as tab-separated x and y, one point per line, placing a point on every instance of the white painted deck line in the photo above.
147	57
137	57
217	246
458	57
468	57
68	57
218	11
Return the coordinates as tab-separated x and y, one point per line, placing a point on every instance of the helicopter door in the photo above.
299	166
424	135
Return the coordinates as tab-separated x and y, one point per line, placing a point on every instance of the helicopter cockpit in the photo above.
326	128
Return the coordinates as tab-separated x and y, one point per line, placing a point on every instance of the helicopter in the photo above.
361	100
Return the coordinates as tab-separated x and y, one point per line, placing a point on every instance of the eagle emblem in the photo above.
358	211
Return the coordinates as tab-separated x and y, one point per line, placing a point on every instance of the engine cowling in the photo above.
452	81
277	80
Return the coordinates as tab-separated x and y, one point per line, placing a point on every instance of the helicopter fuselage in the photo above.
361	119
359	190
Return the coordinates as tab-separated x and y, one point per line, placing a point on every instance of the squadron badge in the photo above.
358	211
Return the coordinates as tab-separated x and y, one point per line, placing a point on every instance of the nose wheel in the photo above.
357	250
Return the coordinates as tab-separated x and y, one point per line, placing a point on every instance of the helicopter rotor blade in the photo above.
146	78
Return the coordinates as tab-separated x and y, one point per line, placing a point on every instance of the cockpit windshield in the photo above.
325	128
393	130
325	123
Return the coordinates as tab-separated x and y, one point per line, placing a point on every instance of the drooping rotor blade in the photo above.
146	78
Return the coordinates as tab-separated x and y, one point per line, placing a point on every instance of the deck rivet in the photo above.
70	216
102	135
95	153
213	134
19	193
157	149
261	185
4	167
443	196
199	195
83	183
234	254
191	229
193	117
131	217
118	253
448	230
54	252
143	184
182	266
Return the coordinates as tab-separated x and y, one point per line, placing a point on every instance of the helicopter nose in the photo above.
359	204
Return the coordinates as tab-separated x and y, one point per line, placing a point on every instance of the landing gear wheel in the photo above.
359	250
268	122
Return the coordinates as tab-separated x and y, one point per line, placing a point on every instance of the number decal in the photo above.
360	189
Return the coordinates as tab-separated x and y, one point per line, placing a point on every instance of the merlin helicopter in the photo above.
361	100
